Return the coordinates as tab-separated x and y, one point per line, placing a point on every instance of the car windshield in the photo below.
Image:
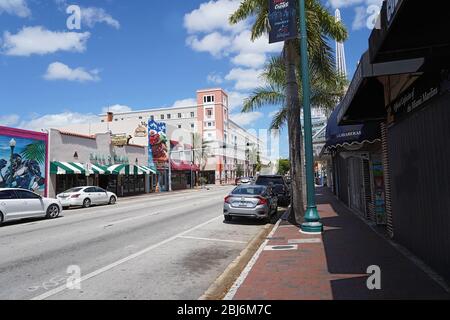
265	181
73	190
248	191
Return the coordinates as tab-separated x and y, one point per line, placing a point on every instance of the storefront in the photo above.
98	161
355	152
23	160
415	117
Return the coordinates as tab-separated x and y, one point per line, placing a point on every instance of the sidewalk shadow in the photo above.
351	246
249	221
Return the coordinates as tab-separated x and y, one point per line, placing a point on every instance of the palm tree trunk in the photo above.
295	133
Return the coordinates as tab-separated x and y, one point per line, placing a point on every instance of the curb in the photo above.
219	289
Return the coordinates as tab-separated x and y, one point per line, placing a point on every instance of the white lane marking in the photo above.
232	292
122	261
212	239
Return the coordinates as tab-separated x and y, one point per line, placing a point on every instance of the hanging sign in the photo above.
283	20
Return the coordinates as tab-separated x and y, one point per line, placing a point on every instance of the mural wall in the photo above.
23	160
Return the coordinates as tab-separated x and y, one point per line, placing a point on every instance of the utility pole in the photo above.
312	224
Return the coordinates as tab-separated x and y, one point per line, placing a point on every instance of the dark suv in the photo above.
279	185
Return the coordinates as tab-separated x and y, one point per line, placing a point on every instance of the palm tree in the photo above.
35	151
320	26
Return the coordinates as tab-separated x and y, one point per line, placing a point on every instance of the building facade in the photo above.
403	84
221	148
98	160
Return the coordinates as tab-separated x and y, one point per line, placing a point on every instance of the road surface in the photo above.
165	246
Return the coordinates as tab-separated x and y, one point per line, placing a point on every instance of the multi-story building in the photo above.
228	150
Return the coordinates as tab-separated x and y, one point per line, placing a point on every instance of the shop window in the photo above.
180	116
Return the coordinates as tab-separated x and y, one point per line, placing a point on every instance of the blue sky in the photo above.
134	55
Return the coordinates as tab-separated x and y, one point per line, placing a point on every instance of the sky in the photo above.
133	55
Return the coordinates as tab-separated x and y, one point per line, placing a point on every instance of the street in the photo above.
169	246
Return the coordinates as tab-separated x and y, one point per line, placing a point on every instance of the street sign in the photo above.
283	20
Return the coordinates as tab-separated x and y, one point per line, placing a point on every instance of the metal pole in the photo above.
170	167
312	222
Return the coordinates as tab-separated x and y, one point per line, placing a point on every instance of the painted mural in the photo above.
23	162
158	150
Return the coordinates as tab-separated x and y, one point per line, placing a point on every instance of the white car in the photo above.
86	197
16	204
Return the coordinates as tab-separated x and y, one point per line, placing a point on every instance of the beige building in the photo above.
230	148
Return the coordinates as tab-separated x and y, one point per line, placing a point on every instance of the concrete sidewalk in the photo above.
332	266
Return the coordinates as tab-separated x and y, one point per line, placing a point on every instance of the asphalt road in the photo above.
170	246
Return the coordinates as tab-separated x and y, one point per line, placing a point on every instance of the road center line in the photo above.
122	261
211	239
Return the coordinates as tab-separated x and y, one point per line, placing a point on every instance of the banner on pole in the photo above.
283	20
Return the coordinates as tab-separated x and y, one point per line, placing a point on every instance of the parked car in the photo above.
280	187
86	197
16	204
250	201
245	180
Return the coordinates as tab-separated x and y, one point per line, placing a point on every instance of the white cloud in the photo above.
57	120
246	79
244	119
9	120
15	7
117	108
252	60
60	71
215	43
92	15
185	103
214	78
236	100
213	15
37	40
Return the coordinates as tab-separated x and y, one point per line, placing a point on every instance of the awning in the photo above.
365	99
183	166
98	169
60	168
126	169
350	135
411	29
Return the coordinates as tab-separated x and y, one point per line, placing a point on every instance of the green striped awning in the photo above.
147	170
66	168
98	169
127	169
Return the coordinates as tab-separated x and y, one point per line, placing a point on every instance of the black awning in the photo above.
349	135
411	29
365	100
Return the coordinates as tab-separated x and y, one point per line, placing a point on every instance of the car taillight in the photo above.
262	201
75	196
227	199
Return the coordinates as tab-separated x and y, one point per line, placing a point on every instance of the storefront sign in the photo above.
423	91
23	160
283	20
119	140
141	131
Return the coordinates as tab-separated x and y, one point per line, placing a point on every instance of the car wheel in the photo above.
1	218
112	200
87	203
228	218
53	211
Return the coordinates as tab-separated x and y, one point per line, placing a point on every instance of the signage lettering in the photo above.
283	20
391	8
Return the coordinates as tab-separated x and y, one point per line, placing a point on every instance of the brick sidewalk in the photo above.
334	268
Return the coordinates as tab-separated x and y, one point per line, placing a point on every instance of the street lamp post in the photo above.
12	145
312	222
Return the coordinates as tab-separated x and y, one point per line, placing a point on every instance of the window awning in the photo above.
411	29
126	169
350	135
60	168
365	99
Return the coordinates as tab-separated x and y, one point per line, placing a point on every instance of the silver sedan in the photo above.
251	201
